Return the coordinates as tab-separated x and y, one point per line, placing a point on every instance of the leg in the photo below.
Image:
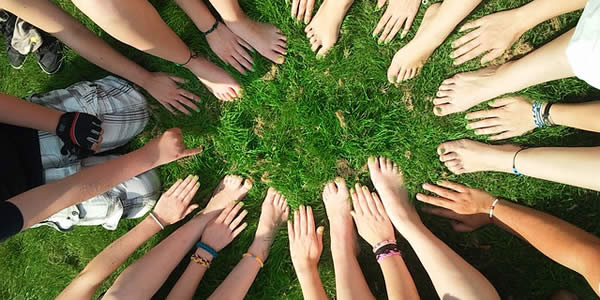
466	90
439	21
324	29
575	166
122	108
139	25
349	280
274	212
265	38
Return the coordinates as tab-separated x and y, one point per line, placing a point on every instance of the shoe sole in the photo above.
21	66
55	71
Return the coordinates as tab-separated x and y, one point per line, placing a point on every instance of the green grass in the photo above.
286	131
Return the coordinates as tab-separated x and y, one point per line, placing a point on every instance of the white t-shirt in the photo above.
583	52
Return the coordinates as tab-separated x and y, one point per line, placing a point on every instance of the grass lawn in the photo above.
286	133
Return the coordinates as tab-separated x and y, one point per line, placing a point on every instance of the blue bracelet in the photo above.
514	167
207	248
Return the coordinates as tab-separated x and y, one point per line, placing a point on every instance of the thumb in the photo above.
177	79
191	152
191	208
320	232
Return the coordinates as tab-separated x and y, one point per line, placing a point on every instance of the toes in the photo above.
373	164
445	109
270	194
315	45
444	93
323	51
340	183
448	147
248	184
332	187
448	157
442	100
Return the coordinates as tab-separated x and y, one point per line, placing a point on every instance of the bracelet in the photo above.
546	115
493	206
258	259
536	109
514	168
192	56
210	30
157	221
200	260
383	243
389	253
207	248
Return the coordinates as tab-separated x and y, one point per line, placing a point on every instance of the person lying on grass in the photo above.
376	219
571	54
562	242
141	280
492	34
49	169
50	18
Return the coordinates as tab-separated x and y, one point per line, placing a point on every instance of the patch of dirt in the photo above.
343	168
271	74
555	23
265	178
340	82
340	116
521	49
346	52
259	127
407	154
407	98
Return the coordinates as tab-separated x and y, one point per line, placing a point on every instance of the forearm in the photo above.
239	281
538	11
398	282
143	278
450	273
577	166
188	282
39	203
581	116
555	238
310	282
50	18
112	257
198	12
448	16
23	113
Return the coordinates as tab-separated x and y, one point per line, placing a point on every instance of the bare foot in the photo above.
336	198
466	156
324	29
216	80
265	38
274	212
231	189
465	90
409	60
389	183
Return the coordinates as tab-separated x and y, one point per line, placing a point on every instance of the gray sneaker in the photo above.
50	54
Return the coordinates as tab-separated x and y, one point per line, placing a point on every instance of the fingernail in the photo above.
393	78
439	182
371	159
403	35
245	73
301	206
306	22
198	109
280	59
364	188
424	185
491	102
466	117
374	35
245	211
467	126
252	69
379	42
321	229
337	180
197	183
386	42
419	196
319	56
352	190
241	203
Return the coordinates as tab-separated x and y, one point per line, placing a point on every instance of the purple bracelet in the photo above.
389	253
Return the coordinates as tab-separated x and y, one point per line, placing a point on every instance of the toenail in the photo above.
467	126
197	183
438	109
491	102
374	35
352	190
393	78
364	188
245	73
439	182
319	56
386	42
321	229
241	204
198	109
379	42
443	150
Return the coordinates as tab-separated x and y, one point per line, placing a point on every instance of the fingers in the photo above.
301	10
179	192
224	214
295	4
190	152
309	10
189	194
188	95
408	25
362	202
239	230
437	201
320	232
379	204
236	65
502	102
395	30
231	215
482	114
452	185
382	23
491	55
491	122
177	79
179	107
303	222
168	107
467	52
475	24
310	220
186	102
238	220
296	224
191	208
442	192
380	3
504	135
355	205
370	202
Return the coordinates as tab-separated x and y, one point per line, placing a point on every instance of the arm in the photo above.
306	246
37	204
23	113
538	11
557	239
581	115
374	226
198	12
217	235
50	18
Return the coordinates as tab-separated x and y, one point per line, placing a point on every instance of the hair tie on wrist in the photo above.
258	259
514	167
207	248
205	33
382	244
157	221
492	207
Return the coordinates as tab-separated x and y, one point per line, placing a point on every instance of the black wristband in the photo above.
79	132
212	28
546	115
385	249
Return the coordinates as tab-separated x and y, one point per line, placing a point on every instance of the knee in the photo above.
142	192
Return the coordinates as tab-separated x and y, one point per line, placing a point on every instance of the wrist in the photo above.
260	249
304	268
525	17
205	254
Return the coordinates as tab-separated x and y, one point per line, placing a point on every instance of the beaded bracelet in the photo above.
536	109
258	259
389	253
383	243
200	260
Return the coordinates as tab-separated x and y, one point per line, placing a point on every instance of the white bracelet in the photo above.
493	206
157	221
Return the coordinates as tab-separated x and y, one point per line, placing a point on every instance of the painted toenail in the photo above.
393	78
439	182
443	150
351	190
364	188
438	109
197	183
371	159
491	102
467	126
321	229
379	42
245	73
374	35
198	109
241	204
319	56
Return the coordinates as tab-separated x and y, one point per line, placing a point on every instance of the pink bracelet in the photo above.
380	257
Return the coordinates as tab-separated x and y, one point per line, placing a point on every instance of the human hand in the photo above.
306	244
165	89
493	34
302	10
230	48
458	198
397	13
510	117
460	223
371	220
167	148
81	133
174	204
226	227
